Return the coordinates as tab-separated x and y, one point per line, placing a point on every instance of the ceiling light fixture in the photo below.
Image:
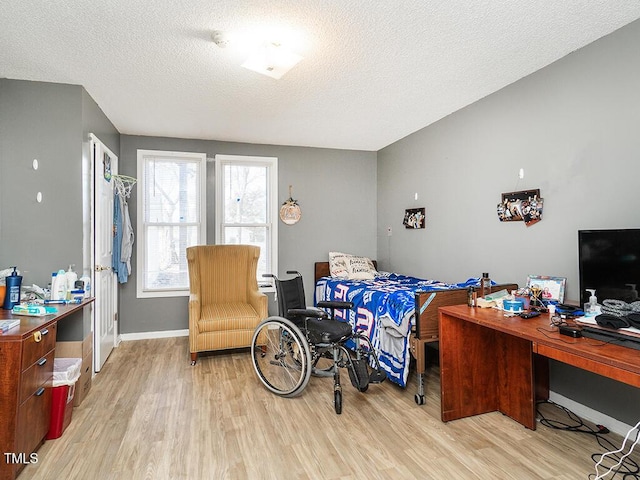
269	58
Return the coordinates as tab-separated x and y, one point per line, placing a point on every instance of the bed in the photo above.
385	308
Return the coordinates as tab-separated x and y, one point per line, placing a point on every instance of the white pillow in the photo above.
338	264
360	268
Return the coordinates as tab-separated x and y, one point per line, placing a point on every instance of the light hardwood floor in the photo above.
150	415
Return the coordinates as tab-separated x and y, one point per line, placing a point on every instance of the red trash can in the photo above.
66	372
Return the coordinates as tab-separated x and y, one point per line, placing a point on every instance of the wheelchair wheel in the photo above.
337	400
281	356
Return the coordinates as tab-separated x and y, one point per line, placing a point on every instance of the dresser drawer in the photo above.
33	350
34	417
37	375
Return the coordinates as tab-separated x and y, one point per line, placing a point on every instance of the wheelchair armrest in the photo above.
307	312
335	304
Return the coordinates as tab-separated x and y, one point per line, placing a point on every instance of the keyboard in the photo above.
613	338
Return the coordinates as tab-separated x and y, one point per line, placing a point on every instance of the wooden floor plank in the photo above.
151	415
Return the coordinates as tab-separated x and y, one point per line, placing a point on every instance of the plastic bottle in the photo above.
58	285
86	283
12	293
470	299
70	279
485	285
592	308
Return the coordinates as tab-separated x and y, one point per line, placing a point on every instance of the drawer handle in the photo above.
42	361
37	336
40	391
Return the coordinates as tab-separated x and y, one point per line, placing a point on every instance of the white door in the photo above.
105	288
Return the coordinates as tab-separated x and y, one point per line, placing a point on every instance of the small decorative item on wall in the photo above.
414	218
524	206
290	212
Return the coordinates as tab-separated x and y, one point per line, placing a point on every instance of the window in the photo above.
171	217
247	206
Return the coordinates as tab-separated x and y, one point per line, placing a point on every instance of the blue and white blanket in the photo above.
384	311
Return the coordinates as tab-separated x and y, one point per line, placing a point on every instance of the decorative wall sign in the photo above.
523	206
290	212
414	218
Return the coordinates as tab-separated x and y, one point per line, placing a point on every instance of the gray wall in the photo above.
40	121
336	190
573	127
48	122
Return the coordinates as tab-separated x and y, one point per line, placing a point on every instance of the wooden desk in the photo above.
489	362
26	370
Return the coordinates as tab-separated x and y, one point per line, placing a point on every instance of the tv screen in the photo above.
609	262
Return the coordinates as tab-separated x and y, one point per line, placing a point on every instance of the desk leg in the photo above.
541	365
483	370
468	369
516	389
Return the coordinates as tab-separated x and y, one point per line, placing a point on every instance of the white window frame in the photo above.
201	223
272	209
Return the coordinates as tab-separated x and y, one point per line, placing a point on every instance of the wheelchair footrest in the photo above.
377	376
359	374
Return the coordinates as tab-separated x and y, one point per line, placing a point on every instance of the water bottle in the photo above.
485	284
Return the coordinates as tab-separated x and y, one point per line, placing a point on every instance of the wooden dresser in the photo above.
26	360
26	370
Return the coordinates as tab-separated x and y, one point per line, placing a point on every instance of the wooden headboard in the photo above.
322	270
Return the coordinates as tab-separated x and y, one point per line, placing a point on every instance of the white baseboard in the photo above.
125	337
590	414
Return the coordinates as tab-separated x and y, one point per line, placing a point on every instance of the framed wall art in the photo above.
523	206
414	218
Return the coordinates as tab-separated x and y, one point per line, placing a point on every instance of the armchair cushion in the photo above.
227	316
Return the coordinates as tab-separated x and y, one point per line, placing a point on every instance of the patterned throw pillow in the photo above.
344	265
360	268
338	264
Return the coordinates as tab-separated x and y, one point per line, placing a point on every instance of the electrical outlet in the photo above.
389	231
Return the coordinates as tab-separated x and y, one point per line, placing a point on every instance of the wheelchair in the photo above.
288	349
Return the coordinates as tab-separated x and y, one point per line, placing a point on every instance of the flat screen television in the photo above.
609	262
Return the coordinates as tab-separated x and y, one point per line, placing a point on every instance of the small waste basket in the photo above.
66	372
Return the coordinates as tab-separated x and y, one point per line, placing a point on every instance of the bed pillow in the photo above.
360	268
338	264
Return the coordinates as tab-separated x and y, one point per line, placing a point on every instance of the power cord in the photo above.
625	466
621	460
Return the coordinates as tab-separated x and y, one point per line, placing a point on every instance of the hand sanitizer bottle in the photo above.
592	308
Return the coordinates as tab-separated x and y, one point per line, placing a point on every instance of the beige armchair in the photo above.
225	304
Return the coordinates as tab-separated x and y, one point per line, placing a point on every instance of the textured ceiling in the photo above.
373	71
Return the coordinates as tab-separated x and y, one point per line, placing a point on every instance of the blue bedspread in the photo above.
384	310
